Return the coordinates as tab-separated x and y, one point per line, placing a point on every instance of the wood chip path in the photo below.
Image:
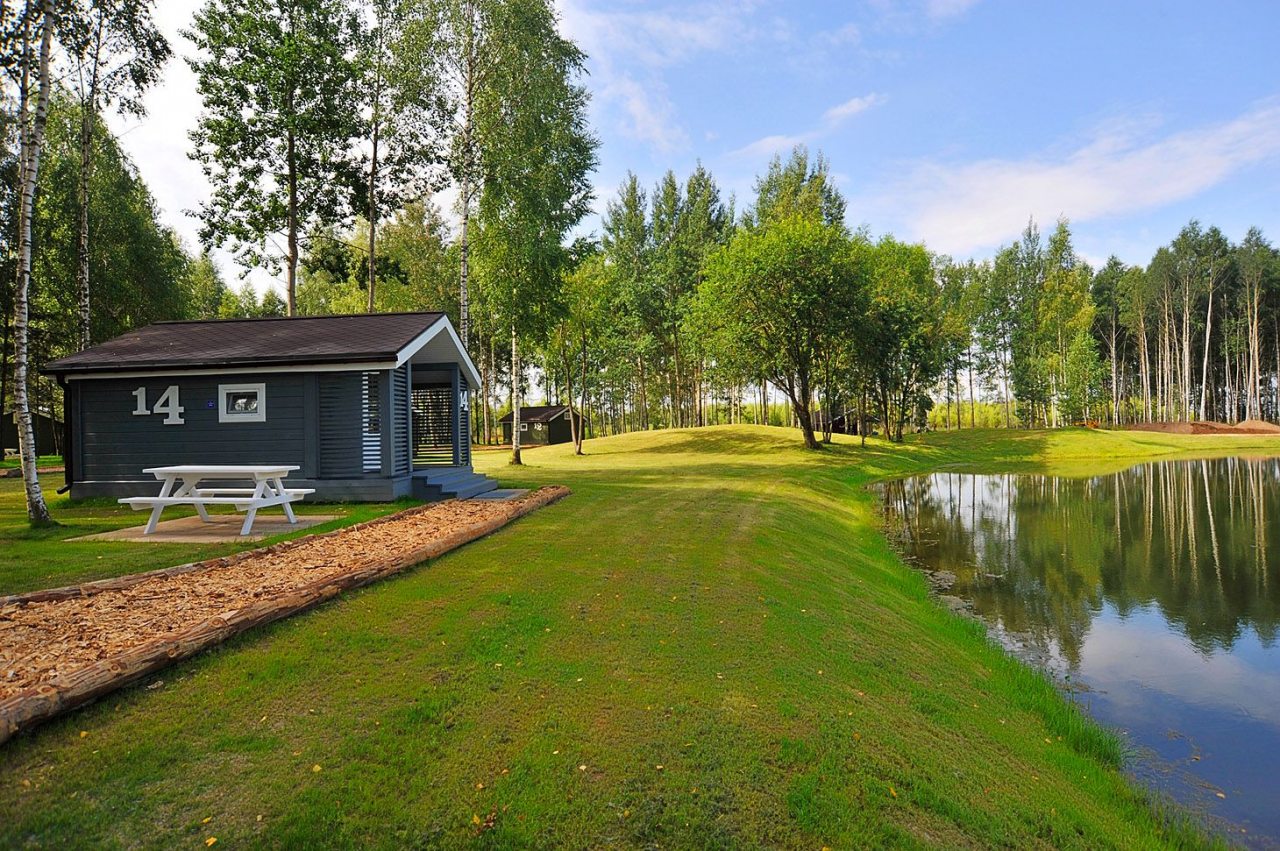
63	647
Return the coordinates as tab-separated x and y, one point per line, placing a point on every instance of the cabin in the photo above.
47	432
840	424
542	425
370	407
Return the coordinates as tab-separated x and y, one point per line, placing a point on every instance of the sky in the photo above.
949	122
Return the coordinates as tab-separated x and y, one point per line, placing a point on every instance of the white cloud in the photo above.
770	145
913	15
629	50
967	207
939	10
649	114
844	111
832	119
849	34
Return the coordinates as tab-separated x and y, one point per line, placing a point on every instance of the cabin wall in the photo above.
114	443
349	432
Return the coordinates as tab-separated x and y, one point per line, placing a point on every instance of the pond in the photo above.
1152	595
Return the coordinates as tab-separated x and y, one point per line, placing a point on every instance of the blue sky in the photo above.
946	121
953	121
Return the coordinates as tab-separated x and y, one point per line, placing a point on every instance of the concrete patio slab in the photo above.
502	494
221	529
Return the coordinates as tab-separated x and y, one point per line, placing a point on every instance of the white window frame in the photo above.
524	426
258	416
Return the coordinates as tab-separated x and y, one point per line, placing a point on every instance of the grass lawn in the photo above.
708	645
44	558
42	461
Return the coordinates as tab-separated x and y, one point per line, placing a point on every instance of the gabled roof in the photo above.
372	338
538	413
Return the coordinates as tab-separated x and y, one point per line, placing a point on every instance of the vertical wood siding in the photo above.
113	443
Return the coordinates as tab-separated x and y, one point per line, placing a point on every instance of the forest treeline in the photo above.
330	130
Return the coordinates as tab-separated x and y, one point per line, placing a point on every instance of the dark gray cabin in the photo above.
47	430
542	425
371	407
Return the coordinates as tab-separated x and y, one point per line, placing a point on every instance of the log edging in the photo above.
63	693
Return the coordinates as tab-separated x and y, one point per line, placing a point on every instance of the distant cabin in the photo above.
48	433
370	407
840	423
541	425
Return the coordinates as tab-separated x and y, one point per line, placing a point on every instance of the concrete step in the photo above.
452	483
483	484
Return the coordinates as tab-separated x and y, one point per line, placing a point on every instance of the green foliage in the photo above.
538	156
782	300
416	267
797	187
140	272
277	82
904	339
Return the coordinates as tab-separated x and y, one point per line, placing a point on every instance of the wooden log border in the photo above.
63	693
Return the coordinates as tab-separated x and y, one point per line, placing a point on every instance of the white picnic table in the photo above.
182	487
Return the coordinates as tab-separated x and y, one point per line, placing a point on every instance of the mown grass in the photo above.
708	645
15	462
45	557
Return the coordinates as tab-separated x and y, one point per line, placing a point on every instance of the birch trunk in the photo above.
32	139
1204	368
515	399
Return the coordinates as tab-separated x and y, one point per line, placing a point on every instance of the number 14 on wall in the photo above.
167	404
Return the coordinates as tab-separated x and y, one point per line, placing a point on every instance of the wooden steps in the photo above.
450	483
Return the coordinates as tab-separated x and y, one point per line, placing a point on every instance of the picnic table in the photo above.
182	487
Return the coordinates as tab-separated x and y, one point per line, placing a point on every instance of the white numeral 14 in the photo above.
167	405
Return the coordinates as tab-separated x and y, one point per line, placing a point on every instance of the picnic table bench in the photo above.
182	487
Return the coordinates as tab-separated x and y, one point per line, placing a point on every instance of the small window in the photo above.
524	426
242	403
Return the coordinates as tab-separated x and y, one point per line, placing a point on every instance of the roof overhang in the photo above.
174	372
440	344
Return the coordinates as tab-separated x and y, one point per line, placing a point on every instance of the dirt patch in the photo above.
63	647
1258	427
16	472
1208	427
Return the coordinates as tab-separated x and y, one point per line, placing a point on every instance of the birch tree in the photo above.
117	53
456	45
400	150
34	85
277	79
1256	261
538	158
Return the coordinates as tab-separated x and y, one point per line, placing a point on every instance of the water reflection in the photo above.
1153	587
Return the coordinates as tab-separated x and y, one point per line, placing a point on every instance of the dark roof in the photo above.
208	344
538	413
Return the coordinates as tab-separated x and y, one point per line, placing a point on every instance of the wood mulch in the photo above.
63	647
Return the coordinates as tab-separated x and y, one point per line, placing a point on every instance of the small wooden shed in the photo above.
47	432
541	425
371	407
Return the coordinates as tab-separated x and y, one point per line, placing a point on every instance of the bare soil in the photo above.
1209	427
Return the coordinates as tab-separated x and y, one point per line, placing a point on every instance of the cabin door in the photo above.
433	425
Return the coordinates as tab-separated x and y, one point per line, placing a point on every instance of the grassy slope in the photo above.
717	603
44	558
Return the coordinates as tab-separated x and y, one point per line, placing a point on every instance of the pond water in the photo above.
1152	595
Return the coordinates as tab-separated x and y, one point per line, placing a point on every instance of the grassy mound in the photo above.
708	645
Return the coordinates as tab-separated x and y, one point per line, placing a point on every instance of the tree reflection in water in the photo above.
1039	556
